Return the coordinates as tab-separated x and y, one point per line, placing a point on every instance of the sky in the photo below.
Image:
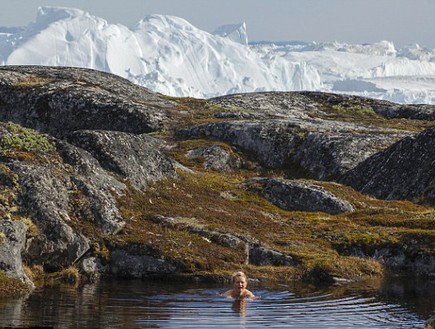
352	21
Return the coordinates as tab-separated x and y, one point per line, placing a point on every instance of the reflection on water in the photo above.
239	306
140	304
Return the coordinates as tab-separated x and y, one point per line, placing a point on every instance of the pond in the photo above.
141	304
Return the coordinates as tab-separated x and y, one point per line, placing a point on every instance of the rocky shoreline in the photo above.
111	179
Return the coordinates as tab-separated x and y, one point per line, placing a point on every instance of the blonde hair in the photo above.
239	274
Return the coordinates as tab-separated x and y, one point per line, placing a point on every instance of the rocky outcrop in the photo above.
216	158
318	148
299	195
263	256
45	199
12	243
384	108
94	187
59	101
267	105
255	253
127	265
405	170
137	158
396	260
81	185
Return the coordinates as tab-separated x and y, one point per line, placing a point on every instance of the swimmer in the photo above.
239	291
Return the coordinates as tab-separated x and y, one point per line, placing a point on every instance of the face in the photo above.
240	283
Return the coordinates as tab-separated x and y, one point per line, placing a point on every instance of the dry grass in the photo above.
313	239
12	286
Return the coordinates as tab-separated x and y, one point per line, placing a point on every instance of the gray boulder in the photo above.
329	155
129	265
12	243
270	143
216	158
263	256
138	158
300	195
405	170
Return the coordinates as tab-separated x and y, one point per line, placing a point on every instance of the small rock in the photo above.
12	241
216	158
300	195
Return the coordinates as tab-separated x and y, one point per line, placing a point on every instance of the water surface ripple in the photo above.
206	309
141	304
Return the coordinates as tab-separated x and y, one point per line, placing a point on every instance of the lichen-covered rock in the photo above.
267	105
216	158
319	148
127	265
384	108
45	199
138	158
300	195
91	268
262	256
98	187
271	143
396	259
405	170
308	104
327	156
12	243
58	101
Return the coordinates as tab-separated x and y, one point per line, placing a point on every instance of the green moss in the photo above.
192	111
24	142
355	110
359	111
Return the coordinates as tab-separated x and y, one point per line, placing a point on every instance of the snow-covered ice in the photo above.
169	55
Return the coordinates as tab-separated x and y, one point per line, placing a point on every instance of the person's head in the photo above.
240	281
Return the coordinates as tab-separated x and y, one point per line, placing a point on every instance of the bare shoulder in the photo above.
227	293
249	295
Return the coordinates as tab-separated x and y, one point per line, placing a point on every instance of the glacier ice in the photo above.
234	32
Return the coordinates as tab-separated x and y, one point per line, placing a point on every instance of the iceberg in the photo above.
169	55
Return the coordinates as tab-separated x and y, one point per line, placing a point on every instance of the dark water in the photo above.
140	304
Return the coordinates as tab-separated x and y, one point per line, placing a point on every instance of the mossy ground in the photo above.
358	111
219	202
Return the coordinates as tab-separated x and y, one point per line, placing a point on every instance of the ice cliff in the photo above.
169	55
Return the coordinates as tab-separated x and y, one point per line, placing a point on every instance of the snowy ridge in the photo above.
235	32
169	55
